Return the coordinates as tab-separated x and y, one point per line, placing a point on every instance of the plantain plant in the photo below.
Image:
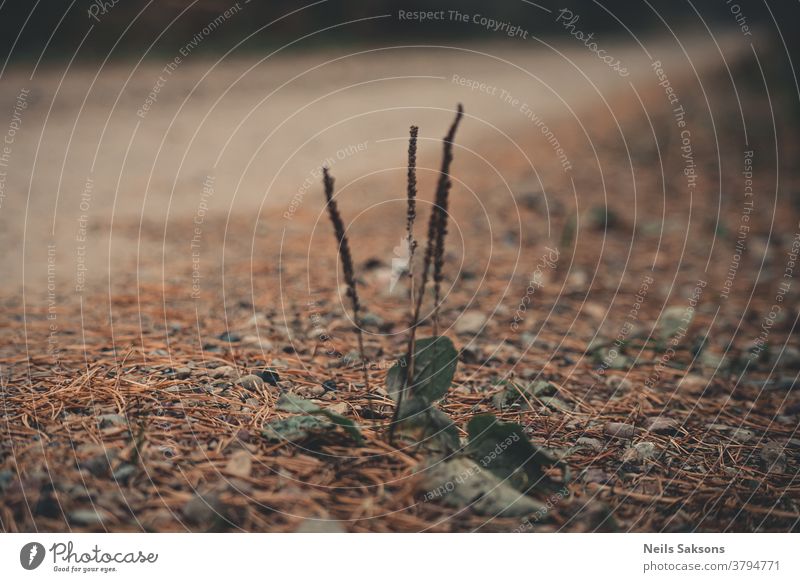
422	376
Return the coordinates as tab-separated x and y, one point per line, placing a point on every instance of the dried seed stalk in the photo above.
442	192
347	265
411	196
434	252
411	215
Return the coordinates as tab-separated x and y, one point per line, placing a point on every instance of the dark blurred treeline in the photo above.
131	28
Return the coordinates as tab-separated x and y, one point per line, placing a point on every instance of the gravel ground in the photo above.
632	281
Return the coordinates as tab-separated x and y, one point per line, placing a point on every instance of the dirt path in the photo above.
103	151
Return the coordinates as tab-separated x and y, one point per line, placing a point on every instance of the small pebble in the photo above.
619	383
555	403
271	377
124	473
790	358
107	420
88	516
240	464
201	509
320	526
251	382
223	372
620	430
773	458
661	425
742	435
310	391
470	322
371	320
258	342
339	408
593	444
639	453
595	475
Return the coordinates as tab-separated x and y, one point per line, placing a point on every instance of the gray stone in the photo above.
371	320
223	372
202	509
89	517
591	443
123	473
255	341
742	435
619	383
461	483
595	475
313	391
620	430
661	425
107	420
470	322
639	453
340	408
672	320
773	458
251	382
790	358
320	526
555	403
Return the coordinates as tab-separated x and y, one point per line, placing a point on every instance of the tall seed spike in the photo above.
442	195
347	265
434	248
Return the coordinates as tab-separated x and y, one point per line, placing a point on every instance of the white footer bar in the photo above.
401	557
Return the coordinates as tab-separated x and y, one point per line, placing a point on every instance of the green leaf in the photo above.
503	449
568	232
396	378
294	403
426	427
515	394
295	428
461	483
435	362
555	403
673	320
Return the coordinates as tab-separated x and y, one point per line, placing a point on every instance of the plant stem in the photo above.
434	248
347	268
411	215
442	192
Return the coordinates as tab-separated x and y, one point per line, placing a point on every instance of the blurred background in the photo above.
131	107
